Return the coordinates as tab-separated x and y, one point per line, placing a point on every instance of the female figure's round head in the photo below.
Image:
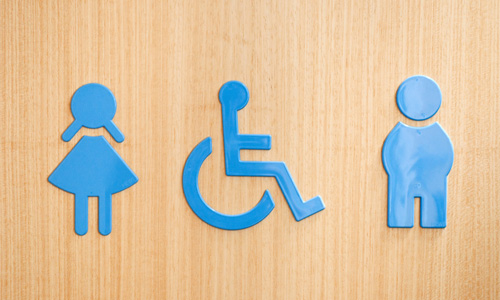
93	105
233	94
419	98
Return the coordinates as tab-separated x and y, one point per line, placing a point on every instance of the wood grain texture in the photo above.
322	77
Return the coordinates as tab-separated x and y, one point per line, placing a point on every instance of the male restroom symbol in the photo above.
417	159
93	167
233	97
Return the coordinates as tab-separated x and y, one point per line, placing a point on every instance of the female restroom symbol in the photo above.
417	159
93	168
234	96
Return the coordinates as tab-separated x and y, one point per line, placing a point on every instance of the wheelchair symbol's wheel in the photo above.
203	210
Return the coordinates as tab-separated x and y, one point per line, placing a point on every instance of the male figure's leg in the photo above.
433	204
400	206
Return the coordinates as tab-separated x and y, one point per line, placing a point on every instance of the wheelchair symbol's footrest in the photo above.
308	208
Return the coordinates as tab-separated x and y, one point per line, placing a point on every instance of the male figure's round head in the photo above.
234	94
419	98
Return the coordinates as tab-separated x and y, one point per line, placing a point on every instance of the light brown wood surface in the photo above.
322	77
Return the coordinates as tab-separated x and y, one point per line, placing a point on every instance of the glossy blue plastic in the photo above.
417	160
93	106
419	98
93	168
234	96
203	210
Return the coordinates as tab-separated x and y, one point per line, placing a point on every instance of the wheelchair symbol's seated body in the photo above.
234	96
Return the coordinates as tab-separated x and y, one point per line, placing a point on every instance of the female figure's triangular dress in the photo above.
93	168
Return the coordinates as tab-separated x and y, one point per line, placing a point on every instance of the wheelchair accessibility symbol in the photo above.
234	96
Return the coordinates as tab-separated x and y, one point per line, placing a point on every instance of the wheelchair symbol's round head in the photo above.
93	105
233	94
419	98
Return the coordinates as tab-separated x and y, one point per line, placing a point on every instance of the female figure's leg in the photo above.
105	214
81	214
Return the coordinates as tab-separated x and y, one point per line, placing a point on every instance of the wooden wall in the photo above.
322	77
